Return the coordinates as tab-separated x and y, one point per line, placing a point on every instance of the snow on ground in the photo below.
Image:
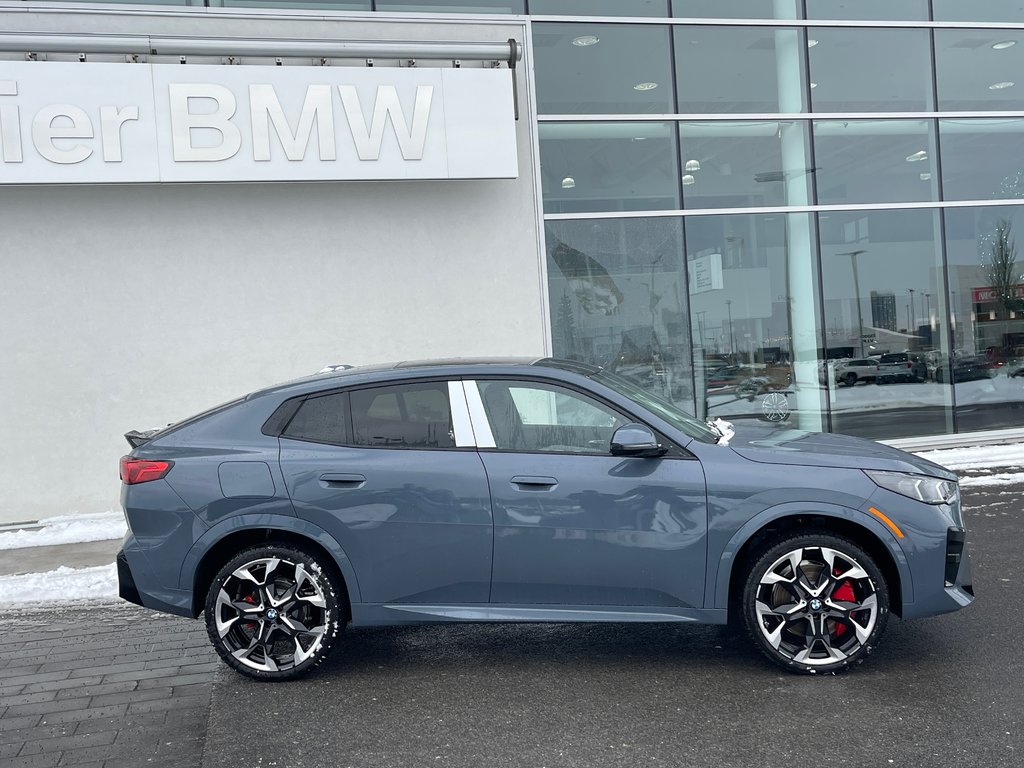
978	457
63	584
1005	478
67	529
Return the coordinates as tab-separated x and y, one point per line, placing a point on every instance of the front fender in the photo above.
257	520
717	590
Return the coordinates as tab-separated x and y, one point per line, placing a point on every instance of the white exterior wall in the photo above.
134	306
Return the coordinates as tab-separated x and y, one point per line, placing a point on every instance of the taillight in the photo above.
134	471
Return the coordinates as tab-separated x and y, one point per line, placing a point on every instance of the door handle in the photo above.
534	483
342	480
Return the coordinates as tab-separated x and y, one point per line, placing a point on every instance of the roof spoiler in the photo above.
136	437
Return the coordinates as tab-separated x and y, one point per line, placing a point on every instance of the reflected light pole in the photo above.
856	294
913	313
732	338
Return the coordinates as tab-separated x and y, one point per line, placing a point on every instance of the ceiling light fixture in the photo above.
811	43
645	86
813	86
1002	85
691	166
689	179
1004	44
568	183
583	41
925	177
917	156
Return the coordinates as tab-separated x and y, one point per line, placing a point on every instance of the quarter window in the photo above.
321	419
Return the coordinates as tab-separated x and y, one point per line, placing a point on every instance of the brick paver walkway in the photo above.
103	685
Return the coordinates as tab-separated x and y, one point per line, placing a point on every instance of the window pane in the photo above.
602	69
882	275
870	70
739	69
874	161
527	416
470	6
982	159
979	69
403	416
599	7
868	9
987	300
618	300
321	419
753	300
978	10
608	167
731	165
736	9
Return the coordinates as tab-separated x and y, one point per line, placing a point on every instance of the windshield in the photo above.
670	413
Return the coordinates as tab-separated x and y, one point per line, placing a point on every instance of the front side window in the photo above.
534	417
402	416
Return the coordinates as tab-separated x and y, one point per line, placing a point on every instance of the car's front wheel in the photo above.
273	612
815	603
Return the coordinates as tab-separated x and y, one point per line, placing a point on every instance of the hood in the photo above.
778	445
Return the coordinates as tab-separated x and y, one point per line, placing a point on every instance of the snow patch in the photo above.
978	457
64	584
1006	478
67	529
725	429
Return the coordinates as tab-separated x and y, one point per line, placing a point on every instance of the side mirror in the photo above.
636	440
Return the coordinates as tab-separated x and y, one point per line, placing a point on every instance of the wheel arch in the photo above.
864	531
231	536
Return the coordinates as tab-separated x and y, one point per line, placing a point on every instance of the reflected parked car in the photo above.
901	366
966	369
849	372
526	491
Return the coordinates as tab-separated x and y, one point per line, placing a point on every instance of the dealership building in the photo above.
805	211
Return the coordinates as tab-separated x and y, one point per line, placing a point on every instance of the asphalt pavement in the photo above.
945	691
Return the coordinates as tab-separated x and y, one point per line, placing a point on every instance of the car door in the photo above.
390	471
574	525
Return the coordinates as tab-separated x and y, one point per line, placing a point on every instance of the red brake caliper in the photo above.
251	601
843	592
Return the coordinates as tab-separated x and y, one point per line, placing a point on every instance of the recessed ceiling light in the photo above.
568	182
585	40
645	86
813	86
1000	86
689	179
691	166
925	176
1004	44
811	43
917	156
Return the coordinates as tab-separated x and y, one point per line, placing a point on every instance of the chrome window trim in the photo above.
773	117
481	426
709	22
462	424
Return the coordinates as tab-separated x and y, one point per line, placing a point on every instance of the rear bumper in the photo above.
126	588
137	583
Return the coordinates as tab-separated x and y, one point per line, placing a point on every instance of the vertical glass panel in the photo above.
599	7
327	5
608	167
987	315
874	161
736	9
754	318
733	164
454	6
870	70
978	10
602	69
868	9
618	300
982	159
882	275
739	69
979	69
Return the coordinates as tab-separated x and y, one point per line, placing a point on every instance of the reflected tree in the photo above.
1001	264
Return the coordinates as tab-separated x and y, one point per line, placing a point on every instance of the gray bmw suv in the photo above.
525	491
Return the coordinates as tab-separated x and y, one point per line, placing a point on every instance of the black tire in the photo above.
850	379
295	618
822	630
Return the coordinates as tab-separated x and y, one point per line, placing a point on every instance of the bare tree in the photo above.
1002	267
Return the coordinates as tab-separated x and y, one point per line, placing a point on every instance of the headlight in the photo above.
930	490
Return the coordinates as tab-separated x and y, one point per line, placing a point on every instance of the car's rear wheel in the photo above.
273	612
850	379
815	603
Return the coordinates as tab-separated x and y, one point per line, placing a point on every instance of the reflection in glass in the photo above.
602	69
454	6
618	300
754	318
870	70
979	10
736	9
874	161
979	69
982	159
987	315
734	164
331	5
884	310
868	9
599	7
739	69
608	167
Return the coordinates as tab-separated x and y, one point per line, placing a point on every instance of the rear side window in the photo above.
322	419
403	416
